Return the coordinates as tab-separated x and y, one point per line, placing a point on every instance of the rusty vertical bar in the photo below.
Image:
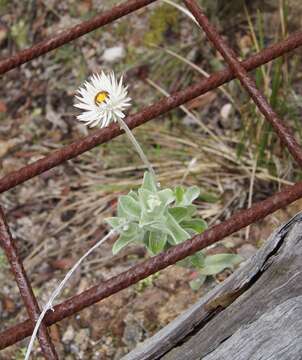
284	132
25	289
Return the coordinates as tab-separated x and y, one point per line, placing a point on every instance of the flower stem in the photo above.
136	145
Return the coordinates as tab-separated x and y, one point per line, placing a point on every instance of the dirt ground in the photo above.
59	215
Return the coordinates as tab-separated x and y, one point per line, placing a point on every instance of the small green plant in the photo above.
156	218
148	282
161	218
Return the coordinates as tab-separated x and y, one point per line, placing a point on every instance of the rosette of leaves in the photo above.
161	218
157	218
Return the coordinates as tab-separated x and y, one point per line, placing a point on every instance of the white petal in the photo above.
119	113
84	106
87	116
95	123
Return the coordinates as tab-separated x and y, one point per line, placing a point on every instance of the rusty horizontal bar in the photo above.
284	132
162	106
28	297
72	33
140	271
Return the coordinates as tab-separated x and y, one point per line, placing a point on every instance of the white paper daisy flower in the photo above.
103	99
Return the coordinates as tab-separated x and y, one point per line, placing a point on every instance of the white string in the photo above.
58	290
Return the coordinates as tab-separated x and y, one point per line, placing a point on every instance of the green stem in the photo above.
136	145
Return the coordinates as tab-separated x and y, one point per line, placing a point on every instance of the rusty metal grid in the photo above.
216	233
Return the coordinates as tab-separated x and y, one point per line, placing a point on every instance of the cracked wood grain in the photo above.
255	314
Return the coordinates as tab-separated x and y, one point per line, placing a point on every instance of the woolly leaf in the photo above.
214	264
198	259
157	242
130	207
197	225
195	261
133	194
175	230
132	230
153	204
209	197
147	199
116	222
121	242
170	226
131	233
190	195
179	193
179	213
166	197
198	282
149	182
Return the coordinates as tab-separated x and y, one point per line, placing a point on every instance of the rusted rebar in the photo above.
140	271
212	235
164	105
28	297
72	33
284	132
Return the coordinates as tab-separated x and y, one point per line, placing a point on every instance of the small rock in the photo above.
226	111
228	117
82	339
119	354
8	305
247	251
133	333
84	7
68	335
189	120
5	146
246	44
114	54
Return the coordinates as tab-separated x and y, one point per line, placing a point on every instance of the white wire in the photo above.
58	290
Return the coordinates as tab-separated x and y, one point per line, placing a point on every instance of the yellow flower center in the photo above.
100	97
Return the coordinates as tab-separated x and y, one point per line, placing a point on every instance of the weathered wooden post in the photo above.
255	314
